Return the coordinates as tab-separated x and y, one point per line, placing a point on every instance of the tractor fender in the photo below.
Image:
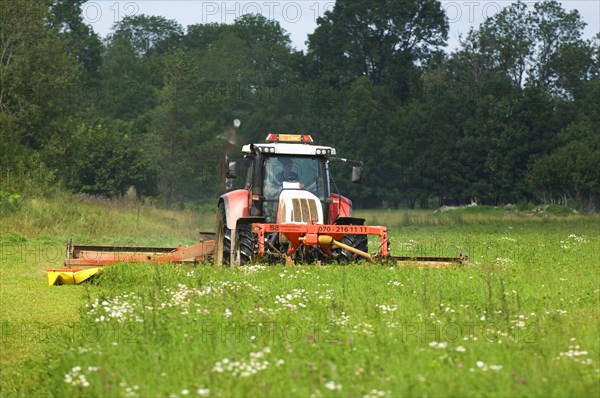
339	206
236	204
349	221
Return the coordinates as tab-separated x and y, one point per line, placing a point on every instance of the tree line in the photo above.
512	115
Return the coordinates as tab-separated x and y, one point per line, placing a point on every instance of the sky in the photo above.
299	18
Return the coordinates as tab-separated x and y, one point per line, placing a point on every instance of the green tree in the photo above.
79	38
555	30
366	58
201	37
531	42
249	71
132	70
570	176
182	136
366	133
126	90
39	84
381	40
433	160
147	33
109	160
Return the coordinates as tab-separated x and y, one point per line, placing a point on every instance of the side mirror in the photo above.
356	174
232	170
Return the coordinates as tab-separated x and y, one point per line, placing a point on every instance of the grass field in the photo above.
522	320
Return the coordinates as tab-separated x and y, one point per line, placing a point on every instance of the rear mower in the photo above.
285	213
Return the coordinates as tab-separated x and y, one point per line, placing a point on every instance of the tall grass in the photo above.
33	316
510	326
107	221
522	319
468	216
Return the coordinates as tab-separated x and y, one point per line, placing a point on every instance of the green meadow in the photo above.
523	319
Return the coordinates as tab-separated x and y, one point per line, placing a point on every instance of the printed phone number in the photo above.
341	229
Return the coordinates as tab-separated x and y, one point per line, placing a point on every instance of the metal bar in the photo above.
431	260
96	255
353	250
76	249
328	240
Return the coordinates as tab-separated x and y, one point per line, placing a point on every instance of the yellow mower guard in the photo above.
67	276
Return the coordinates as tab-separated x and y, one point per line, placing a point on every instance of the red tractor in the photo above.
287	210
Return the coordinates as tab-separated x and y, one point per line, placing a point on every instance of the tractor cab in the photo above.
298	173
290	165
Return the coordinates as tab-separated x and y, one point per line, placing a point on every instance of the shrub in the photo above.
9	202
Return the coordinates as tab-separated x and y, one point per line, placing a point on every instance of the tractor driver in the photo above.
276	173
287	174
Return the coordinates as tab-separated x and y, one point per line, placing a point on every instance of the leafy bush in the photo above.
29	177
107	160
12	238
525	205
557	210
9	202
569	176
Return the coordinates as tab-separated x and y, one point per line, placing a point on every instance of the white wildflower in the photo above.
333	386
374	393
440	345
481	365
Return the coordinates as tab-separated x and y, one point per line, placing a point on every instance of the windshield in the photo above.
296	172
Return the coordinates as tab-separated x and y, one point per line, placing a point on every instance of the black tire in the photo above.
359	242
310	255
223	238
246	244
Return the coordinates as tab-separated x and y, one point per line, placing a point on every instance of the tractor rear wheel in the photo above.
359	242
246	244
223	238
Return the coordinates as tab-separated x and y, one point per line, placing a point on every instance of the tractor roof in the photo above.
290	144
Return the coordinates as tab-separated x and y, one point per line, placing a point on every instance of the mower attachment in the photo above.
325	236
426	261
328	236
84	261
